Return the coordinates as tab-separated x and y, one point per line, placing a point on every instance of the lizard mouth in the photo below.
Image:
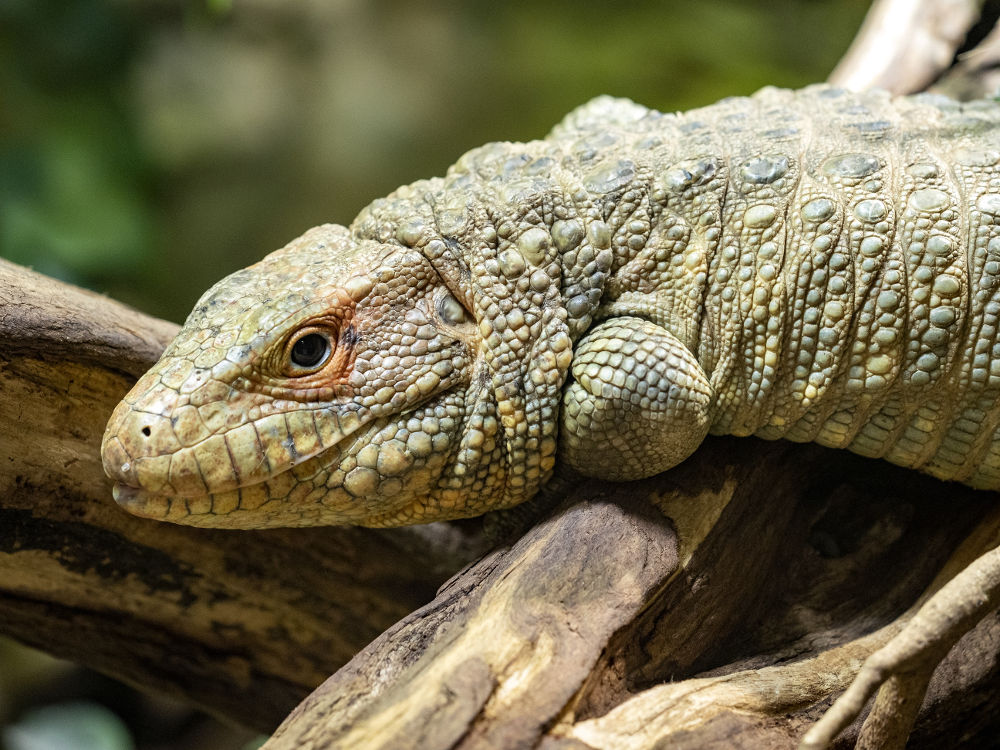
243	506
140	502
340	485
166	505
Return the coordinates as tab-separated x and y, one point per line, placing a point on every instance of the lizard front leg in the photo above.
638	402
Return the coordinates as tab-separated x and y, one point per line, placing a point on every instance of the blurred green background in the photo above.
149	147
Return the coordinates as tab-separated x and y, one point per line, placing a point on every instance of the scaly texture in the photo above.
813	265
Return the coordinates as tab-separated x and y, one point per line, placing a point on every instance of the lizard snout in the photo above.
137	448
150	439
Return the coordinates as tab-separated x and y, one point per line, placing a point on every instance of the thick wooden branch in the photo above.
905	45
504	647
976	74
242	623
733	624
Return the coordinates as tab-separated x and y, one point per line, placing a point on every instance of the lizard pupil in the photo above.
310	350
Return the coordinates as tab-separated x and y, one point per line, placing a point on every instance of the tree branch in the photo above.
735	625
904	46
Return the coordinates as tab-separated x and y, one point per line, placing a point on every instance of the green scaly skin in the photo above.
812	265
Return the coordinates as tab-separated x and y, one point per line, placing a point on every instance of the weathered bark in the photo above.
792	564
244	624
949	47
906	45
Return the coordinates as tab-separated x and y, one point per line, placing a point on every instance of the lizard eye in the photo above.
308	352
451	310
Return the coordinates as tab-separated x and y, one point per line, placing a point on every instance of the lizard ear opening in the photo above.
451	311
449	263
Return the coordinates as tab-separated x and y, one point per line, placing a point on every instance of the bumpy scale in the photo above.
812	265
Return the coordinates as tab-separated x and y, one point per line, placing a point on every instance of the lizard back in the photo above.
815	265
831	258
841	261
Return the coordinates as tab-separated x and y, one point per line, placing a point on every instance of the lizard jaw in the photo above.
370	478
135	500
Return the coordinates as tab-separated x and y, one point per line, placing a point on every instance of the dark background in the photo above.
149	147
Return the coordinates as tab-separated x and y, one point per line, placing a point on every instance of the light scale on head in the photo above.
310	423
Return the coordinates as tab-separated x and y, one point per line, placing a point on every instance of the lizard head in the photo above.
334	382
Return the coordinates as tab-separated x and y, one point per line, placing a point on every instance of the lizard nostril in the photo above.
145	431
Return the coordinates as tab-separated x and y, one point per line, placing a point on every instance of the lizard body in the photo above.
813	265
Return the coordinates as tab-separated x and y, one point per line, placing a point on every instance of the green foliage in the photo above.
146	149
71	204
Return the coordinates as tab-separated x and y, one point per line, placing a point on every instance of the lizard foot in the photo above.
638	402
901	670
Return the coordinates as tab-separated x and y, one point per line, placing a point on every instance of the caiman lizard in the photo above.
815	265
